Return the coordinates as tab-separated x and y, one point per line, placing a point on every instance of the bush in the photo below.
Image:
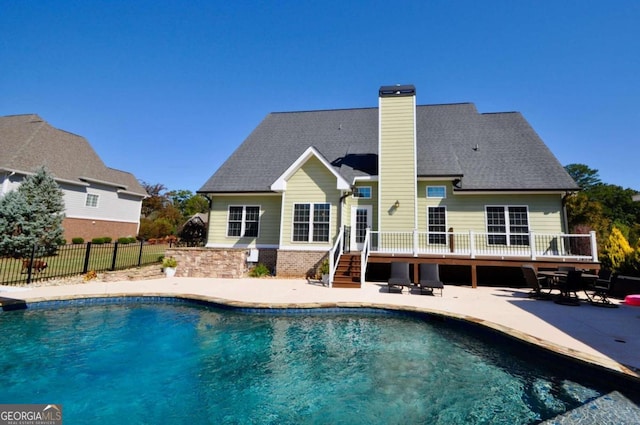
61	242
615	251
259	271
169	262
77	241
97	241
125	240
107	239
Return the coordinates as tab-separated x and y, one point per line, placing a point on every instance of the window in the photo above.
243	221
92	200
362	192
507	225
437	225
311	222
436	192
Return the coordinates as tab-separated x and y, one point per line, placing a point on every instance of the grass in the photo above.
70	260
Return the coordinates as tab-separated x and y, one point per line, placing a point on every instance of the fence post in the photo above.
85	267
140	252
31	258
115	254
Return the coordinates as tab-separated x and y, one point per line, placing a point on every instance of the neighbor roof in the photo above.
489	152
28	142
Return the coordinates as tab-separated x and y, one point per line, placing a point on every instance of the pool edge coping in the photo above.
568	353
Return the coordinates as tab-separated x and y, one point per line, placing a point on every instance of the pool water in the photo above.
187	364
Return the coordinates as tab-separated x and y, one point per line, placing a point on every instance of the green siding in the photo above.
351	201
269	230
397	179
467	212
311	183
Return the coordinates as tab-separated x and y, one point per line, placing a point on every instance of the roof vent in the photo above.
397	90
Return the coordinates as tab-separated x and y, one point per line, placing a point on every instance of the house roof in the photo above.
489	152
28	142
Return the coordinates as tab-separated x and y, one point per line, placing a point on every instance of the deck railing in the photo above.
334	255
472	244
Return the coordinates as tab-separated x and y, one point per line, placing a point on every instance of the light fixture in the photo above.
397	204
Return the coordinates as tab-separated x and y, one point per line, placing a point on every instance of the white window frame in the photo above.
312	206
356	192
92	204
243	225
508	225
443	188
444	233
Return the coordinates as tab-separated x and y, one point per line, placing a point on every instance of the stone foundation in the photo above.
209	262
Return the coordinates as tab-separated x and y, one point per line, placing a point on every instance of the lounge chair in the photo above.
430	279
600	290
537	283
399	276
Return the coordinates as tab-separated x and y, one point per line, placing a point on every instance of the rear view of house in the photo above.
99	201
431	182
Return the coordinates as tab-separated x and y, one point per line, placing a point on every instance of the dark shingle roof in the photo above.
490	151
27	142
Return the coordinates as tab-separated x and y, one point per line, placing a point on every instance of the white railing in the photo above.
581	247
364	255
334	255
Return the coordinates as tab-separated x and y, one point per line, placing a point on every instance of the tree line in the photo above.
611	212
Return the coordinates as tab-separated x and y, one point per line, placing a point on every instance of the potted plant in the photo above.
324	270
169	265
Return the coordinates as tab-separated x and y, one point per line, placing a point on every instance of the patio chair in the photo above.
399	276
569	288
601	290
537	283
430	279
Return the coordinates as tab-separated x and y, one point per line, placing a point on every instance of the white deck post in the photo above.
532	246
472	244
415	242
594	246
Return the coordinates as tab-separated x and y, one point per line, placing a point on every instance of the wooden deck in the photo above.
475	263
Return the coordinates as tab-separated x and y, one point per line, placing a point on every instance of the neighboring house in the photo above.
99	201
432	181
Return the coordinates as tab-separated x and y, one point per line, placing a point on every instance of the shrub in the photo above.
77	241
616	250
169	262
97	241
61	242
107	239
259	271
124	241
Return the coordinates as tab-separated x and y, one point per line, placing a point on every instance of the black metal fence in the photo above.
70	260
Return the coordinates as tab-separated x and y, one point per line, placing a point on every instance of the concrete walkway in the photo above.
608	337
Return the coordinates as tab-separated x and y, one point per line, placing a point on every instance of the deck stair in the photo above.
347	273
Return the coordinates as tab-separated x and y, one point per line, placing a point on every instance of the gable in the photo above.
311	159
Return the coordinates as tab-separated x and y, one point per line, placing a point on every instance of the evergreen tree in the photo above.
32	216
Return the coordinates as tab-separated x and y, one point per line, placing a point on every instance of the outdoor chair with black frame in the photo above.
430	279
569	288
537	283
399	276
601	289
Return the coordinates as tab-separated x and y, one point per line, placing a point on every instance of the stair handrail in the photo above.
364	255
333	261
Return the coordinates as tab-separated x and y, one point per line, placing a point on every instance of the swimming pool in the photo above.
186	363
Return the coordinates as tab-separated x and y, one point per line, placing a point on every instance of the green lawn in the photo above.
70	260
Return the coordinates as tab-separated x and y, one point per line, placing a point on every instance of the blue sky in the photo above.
168	89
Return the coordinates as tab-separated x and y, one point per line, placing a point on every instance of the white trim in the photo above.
357	190
310	222
104	182
128	192
507	223
438	179
366	178
509	192
241	194
322	248
354	208
92	196
280	184
243	220
242	246
426	192
446	224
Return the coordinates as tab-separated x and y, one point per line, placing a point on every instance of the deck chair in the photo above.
430	279
399	276
601	289
537	283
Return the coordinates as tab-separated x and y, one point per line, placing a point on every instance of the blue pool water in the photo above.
187	364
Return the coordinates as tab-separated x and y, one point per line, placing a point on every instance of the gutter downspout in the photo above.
565	219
